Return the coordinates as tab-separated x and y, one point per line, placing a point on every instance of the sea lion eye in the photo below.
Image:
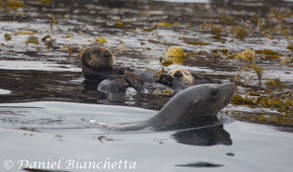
214	92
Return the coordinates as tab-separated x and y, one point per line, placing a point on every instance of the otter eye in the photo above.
214	92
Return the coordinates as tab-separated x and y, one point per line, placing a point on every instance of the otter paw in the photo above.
134	81
165	79
111	86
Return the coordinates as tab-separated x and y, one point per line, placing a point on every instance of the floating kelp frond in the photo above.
53	21
25	32
268	53
7	36
45	1
164	24
14	5
32	40
247	54
100	40
174	52
258	71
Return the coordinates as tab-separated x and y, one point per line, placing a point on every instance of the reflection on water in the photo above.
2	91
204	137
200	164
203	131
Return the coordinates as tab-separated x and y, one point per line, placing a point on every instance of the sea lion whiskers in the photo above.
220	105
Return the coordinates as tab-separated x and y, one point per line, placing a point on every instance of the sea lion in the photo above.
187	105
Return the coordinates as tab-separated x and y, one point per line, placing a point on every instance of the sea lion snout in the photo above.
227	93
229	85
207	99
228	89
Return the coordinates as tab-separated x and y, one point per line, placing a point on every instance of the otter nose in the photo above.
178	74
107	54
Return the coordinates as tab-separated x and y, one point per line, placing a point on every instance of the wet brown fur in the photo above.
134	80
185	76
97	59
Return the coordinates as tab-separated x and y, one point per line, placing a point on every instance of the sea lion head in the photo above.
182	75
97	59
208	99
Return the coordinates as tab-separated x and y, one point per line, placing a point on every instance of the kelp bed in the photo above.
247	42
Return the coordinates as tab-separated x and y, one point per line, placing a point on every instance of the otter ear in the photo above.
84	55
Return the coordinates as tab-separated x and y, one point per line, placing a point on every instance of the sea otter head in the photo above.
182	75
97	59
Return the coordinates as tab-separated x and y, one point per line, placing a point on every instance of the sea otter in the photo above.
98	65
191	77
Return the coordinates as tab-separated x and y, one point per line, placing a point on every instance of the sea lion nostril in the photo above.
178	74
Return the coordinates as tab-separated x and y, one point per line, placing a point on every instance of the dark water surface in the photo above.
49	114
